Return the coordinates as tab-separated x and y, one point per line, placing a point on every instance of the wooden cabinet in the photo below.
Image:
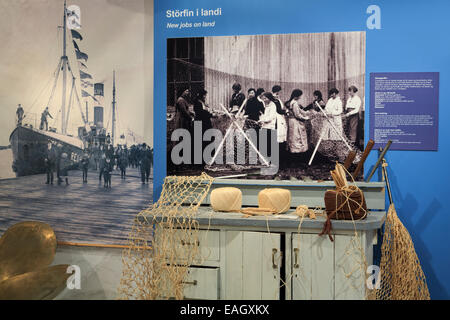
274	257
247	265
322	269
235	265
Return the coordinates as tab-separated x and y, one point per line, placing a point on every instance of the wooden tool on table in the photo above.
386	178
349	160
367	150
380	159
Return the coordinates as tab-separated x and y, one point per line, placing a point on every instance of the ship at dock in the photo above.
29	142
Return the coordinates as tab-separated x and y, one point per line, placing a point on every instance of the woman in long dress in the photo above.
353	106
297	135
268	120
334	110
203	115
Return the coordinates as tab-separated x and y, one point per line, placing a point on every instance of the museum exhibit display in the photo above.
197	150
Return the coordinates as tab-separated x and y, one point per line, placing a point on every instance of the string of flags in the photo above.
81	56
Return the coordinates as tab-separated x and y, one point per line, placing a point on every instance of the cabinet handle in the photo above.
274	252
197	243
194	283
296	265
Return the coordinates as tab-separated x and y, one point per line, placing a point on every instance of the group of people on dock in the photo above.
103	158
289	121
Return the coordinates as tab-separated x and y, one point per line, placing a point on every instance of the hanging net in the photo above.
401	276
163	242
335	150
236	153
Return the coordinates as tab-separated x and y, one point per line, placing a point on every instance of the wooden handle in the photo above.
367	150
349	160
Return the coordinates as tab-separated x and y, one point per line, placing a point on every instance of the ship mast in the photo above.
64	69
114	109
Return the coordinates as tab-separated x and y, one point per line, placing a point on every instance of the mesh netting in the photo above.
161	248
236	152
335	150
401	275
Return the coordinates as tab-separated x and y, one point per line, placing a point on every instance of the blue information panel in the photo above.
404	108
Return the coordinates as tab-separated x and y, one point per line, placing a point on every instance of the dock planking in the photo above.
79	213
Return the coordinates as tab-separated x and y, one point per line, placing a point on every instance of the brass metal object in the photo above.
296	265
274	252
26	251
26	247
194	283
44	284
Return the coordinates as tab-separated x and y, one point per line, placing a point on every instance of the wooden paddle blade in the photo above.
367	150
44	284
349	160
26	247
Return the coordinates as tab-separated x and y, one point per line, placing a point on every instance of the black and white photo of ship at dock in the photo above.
73	149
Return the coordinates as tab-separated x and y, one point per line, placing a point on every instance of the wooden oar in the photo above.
367	150
349	160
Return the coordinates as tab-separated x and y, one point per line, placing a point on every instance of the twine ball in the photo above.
226	199
276	199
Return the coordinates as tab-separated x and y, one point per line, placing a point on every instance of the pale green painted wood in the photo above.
252	265
270	280
222	265
288	265
349	266
206	284
301	254
322	264
233	265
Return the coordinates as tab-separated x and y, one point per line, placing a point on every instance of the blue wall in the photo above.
414	37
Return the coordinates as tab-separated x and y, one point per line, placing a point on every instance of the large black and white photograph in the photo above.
74	150
283	107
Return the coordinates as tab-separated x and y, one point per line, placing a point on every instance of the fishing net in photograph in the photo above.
236	153
401	276
218	84
161	249
335	150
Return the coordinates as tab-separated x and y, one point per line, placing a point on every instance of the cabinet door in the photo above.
312	267
352	256
252	265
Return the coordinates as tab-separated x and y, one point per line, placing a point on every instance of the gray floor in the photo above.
79	213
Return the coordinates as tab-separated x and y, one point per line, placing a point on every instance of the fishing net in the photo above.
335	150
236	153
401	276
162	248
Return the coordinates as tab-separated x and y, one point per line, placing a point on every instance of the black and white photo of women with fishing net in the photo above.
290	101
